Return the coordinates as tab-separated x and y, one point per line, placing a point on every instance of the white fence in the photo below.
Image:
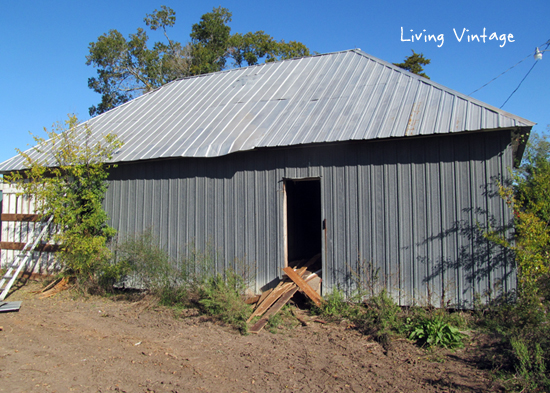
19	223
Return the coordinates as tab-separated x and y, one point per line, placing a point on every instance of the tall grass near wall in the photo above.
190	282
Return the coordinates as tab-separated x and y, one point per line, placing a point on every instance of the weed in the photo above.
522	325
222	297
274	322
191	282
383	312
196	267
146	262
435	331
365	277
336	306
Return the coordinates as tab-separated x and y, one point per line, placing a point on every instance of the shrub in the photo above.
146	262
522	325
66	177
530	364
274	321
223	297
383	318
383	311
434	331
336	306
190	283
520	320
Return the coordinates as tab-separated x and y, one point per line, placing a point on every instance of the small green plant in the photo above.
378	316
273	322
521	324
197	266
222	297
336	306
435	331
384	312
191	282
365	277
531	367
147	263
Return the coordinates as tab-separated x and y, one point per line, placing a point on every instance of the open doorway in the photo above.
303	219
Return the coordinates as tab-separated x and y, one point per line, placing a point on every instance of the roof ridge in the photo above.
438	85
323	98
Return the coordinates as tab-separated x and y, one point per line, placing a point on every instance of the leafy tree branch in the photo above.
129	67
65	177
529	199
414	63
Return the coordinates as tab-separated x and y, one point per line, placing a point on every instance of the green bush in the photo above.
383	318
336	306
191	282
273	322
380	317
435	331
66	178
530	364
223	297
520	320
147	263
197	267
522	325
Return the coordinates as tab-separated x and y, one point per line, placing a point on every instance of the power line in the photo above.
528	72
498	76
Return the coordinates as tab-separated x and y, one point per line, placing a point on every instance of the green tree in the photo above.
414	63
66	176
213	44
127	68
210	41
532	178
531	203
529	199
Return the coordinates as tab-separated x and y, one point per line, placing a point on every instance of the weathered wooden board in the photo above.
272	297
273	310
262	297
20	246
20	217
304	286
252	300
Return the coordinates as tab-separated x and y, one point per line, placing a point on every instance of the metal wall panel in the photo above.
404	214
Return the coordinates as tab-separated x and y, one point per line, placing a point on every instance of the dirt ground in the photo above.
69	343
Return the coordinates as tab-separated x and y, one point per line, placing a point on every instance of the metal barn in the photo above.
389	176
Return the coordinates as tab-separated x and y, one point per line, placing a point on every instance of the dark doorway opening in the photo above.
303	219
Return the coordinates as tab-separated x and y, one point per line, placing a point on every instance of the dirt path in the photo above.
66	343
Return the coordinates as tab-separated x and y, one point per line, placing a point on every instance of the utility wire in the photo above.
498	76
528	72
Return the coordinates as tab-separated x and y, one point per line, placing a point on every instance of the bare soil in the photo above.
94	344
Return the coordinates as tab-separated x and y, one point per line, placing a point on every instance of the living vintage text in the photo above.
460	35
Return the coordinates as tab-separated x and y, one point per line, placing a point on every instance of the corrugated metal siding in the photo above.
326	98
407	209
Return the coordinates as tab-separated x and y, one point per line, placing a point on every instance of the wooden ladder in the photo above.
20	261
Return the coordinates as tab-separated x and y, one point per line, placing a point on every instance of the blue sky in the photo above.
44	44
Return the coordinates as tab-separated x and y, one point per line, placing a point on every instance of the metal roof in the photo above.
333	97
